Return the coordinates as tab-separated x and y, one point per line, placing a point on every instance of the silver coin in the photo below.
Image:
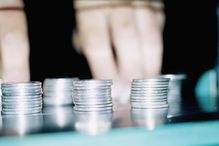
145	103
160	79
62	80
22	97
92	81
147	83
21	112
24	84
146	99
94	87
150	91
55	101
92	100
88	96
21	88
21	107
21	94
22	102
174	76
91	88
162	83
148	107
60	95
93	109
92	97
149	86
149	97
93	103
91	92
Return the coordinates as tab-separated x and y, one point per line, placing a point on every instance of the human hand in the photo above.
132	28
14	44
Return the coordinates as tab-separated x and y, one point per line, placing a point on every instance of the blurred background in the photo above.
190	41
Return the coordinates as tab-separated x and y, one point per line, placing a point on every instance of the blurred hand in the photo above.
14	44
132	28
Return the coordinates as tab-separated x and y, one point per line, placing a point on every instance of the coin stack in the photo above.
174	94
92	95
58	91
21	98
149	93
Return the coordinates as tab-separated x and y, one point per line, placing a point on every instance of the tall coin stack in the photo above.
92	95
149	93
58	91
21	98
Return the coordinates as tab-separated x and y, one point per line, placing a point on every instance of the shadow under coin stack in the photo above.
92	95
21	98
58	91
149	93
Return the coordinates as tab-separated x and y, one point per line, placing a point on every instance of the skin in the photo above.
14	45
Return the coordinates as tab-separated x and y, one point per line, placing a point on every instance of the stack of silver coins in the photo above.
175	93
21	98
149	93
58	91
92	95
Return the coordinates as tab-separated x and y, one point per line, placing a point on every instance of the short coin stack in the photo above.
21	98
149	93
174	94
58	91
92	95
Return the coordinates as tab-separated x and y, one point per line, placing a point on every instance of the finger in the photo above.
95	42
125	41
11	3
149	26
14	46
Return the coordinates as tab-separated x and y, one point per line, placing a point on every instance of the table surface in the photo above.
62	125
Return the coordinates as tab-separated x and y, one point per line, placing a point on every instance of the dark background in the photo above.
190	40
